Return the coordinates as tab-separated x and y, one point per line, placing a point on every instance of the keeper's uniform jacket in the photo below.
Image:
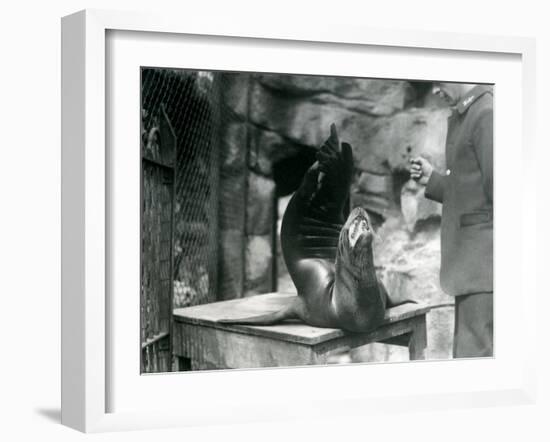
466	191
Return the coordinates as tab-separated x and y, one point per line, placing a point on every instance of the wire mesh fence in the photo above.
183	113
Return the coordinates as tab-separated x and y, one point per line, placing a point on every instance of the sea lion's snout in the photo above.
359	226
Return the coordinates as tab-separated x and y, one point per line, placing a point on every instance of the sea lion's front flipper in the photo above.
288	312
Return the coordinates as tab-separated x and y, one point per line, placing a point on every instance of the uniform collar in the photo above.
467	100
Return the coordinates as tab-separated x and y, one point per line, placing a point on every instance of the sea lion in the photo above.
330	262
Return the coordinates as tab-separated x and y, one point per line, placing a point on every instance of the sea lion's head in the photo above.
360	302
355	243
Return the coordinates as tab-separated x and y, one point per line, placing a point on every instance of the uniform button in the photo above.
448	172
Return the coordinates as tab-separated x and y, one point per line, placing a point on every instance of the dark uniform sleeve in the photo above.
482	139
435	186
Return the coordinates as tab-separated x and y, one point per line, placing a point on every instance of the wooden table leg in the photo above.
418	340
183	364
339	355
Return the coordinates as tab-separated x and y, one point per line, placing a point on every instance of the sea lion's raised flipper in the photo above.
335	161
313	218
288	312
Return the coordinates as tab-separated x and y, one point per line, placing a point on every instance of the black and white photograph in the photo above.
247	221
294	220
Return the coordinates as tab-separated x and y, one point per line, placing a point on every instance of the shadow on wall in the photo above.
288	172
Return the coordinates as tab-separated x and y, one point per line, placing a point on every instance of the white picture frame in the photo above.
86	206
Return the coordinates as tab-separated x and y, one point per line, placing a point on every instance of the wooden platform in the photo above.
202	343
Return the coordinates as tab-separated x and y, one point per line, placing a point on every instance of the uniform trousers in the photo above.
473	335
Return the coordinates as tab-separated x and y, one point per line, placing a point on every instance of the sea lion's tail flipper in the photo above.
393	300
288	312
400	302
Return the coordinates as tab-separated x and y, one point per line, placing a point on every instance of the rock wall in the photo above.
247	200
233	186
277	123
185	161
